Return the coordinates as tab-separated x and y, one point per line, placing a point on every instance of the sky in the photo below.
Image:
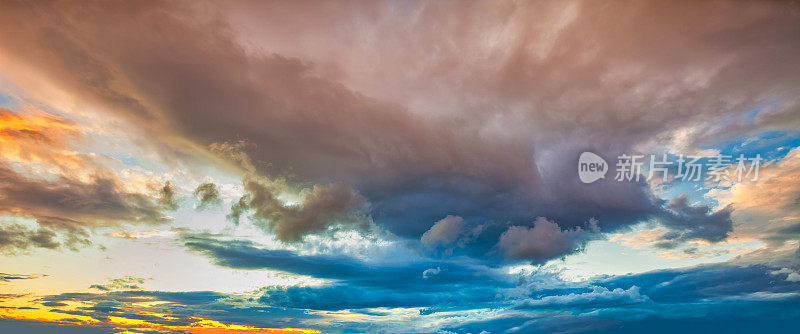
399	166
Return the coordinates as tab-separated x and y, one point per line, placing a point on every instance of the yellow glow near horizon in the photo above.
123	324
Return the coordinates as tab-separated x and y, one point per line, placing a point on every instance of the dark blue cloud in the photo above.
708	281
524	302
342	296
536	302
725	297
242	254
460	282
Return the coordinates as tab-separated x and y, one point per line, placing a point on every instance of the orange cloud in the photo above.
39	138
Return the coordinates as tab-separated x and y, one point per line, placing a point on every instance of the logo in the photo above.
591	167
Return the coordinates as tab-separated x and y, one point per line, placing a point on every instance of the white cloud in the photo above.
598	296
431	272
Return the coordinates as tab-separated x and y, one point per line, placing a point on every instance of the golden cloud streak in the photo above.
125	325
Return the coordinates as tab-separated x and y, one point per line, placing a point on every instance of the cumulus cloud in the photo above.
451	234
208	196
544	241
320	207
444	232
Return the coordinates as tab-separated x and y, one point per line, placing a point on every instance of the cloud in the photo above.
349	297
4	277
431	272
791	275
167	197
354	283
40	138
74	235
544	241
161	311
154	233
695	297
374	289
556	68
454	134
15	237
599	297
444	232
320	207
694	222
208	196
469	120
32	326
318	129
123	283
768	206
703	282
70	206
497	156
67	193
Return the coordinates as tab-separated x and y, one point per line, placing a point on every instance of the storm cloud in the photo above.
500	164
405	166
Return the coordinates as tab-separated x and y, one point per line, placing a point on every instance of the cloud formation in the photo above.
14	237
67	193
544	241
341	141
70	207
694	223
123	283
208	196
598	297
167	197
319	208
316	128
4	277
444	232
